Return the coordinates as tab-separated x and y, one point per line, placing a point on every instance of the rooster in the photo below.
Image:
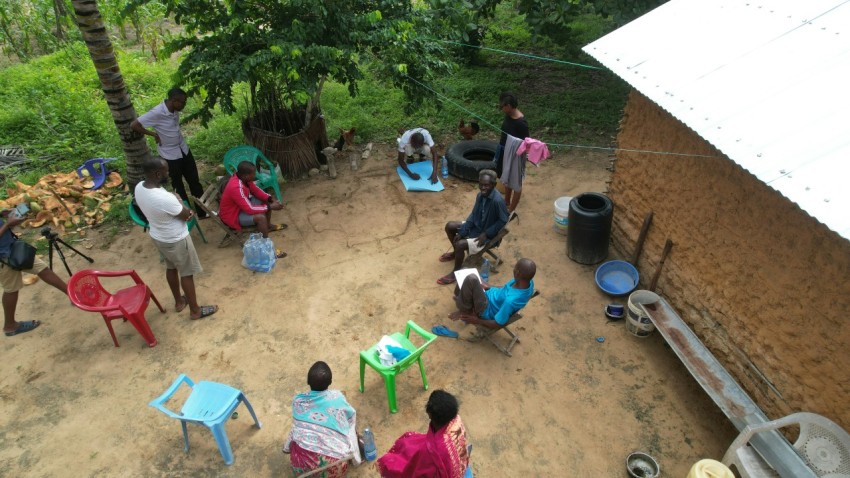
468	131
346	138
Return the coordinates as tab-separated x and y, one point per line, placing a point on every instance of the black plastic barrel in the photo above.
589	229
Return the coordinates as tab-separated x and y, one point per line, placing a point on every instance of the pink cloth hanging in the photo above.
536	150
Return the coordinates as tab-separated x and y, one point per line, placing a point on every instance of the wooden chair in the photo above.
487	333
475	260
207	203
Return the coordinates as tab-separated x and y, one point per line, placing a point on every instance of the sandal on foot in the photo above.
447	256
279	254
444	331
23	327
447	279
277	227
206	311
185	304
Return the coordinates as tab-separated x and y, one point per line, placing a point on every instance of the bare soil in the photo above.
362	261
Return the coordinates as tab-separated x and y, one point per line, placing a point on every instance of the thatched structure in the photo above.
283	138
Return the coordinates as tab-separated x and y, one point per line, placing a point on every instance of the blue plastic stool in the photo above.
210	404
97	170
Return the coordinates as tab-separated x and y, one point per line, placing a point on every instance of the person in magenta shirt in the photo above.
441	452
244	204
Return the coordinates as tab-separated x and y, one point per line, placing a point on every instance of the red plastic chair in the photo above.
86	292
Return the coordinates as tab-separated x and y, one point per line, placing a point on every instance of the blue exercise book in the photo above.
423	169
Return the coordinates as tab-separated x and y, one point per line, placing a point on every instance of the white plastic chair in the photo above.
822	444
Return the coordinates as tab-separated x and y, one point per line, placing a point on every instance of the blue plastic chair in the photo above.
134	215
97	170
256	157
210	404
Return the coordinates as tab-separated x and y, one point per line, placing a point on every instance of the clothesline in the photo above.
526	55
481	119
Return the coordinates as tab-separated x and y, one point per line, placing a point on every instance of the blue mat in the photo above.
423	169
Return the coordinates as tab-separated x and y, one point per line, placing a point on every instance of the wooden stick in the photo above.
667	246
642	237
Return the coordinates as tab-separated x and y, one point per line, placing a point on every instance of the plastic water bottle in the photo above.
251	255
264	262
485	271
369	448
444	167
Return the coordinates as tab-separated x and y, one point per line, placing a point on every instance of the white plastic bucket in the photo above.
710	469
638	323
562	214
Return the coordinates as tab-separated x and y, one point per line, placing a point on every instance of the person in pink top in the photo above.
244	204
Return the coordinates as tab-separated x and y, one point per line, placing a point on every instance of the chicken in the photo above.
468	131
346	138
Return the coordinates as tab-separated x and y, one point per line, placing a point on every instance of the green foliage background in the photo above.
53	106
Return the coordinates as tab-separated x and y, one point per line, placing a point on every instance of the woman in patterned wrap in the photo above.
323	427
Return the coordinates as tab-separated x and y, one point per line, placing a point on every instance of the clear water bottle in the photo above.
265	261
485	271
369	448
444	167
251	255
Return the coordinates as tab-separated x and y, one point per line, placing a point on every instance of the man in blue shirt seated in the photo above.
492	307
488	217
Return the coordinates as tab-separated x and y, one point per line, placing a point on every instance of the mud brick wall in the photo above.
763	284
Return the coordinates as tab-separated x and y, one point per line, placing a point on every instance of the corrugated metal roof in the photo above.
766	82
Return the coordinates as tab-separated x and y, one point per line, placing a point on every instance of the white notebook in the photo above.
460	275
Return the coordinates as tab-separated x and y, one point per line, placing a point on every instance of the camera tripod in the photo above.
54	241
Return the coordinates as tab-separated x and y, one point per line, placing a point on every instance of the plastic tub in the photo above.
616	278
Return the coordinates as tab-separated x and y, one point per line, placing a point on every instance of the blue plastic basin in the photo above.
617	277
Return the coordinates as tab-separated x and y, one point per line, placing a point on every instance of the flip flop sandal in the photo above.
277	227
444	331
23	327
207	310
447	256
447	279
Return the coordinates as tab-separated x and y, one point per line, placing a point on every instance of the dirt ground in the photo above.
362	261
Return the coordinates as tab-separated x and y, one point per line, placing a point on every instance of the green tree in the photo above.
552	18
285	50
115	91
32	27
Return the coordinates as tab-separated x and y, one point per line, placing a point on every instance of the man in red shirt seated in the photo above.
244	204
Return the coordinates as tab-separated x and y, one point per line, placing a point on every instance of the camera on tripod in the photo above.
53	241
49	234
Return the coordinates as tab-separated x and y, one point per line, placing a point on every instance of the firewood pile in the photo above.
63	201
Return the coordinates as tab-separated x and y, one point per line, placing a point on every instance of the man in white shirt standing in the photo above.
167	217
416	142
164	118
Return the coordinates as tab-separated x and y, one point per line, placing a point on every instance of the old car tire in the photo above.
467	158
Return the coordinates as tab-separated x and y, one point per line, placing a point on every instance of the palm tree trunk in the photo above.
97	41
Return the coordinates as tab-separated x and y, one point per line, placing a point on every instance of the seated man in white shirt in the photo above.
167	217
416	145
